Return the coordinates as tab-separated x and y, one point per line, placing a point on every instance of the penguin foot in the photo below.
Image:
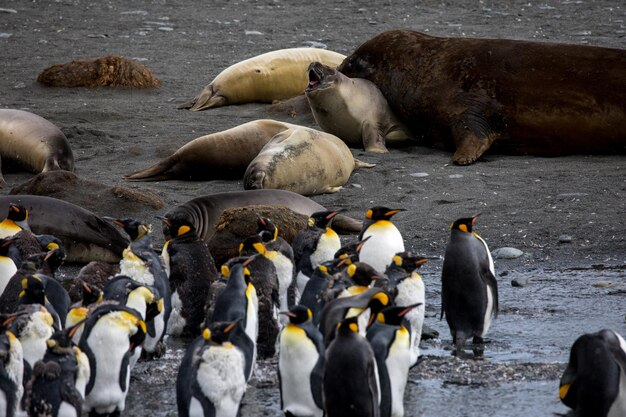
480	341
159	351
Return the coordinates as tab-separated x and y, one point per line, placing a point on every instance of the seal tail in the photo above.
156	172
205	100
361	164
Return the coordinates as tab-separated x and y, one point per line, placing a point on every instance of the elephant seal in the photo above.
204	212
33	143
303	160
353	109
221	155
264	78
85	236
523	97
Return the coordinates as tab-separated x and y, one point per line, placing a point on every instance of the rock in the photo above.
506	253
315	44
455	176
603	284
521	282
419	174
429	333
565	239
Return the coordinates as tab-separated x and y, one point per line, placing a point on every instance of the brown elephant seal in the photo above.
264	78
204	212
106	71
221	155
33	143
85	236
353	109
303	160
523	97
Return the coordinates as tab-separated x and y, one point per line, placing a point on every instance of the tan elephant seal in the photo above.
33	143
264	78
221	155
353	109
302	160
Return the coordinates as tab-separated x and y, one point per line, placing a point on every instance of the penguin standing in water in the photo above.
350	381
384	240
57	380
594	382
141	263
111	334
314	245
469	290
11	371
191	270
390	338
300	365
238	302
407	288
211	378
16	220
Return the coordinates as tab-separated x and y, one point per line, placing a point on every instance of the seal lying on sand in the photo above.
524	97
264	78
106	71
303	160
85	236
204	212
33	143
221	155
353	109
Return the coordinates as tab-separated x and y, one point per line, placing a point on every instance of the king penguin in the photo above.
211	378
8	268
390	338
594	381
142	263
407	287
384	240
41	289
350	379
191	270
111	334
11	371
300	364
238	301
16	220
469	290
314	245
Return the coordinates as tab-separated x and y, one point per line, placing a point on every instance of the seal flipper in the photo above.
373	140
476	128
3	183
205	100
156	172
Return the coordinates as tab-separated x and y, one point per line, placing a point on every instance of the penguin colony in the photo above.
346	321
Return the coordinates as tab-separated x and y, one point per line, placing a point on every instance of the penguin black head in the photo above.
266	229
363	274
381	213
349	325
408	262
91	294
133	228
379	301
33	290
61	340
252	245
393	315
17	212
177	227
5	245
236	266
322	219
351	250
18	321
465	224
298	314
218	332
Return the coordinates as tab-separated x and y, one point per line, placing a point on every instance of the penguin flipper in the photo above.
70	395
317	377
491	282
616	346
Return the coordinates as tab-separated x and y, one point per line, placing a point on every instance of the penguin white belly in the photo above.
3	404
109	343
297	358
384	243
618	409
7	270
301	281
284	271
176	322
66	410
411	291
150	343
15	367
488	312
34	349
491	267
252	322
327	246
136	269
166	258
398	363
195	408
82	374
221	378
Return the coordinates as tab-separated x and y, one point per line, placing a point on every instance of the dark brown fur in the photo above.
109	71
528	97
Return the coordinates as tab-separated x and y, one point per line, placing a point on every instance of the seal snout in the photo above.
315	76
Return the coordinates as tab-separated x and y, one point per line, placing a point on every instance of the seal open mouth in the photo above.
314	78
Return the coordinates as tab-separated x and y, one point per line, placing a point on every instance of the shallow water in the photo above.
536	326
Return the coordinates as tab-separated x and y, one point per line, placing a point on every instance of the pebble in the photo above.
602	284
455	176
19	85
572	195
506	253
521	282
315	44
418	174
253	32
3	10
165	29
565	239
355	185
5	35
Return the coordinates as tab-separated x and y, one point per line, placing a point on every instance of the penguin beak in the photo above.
408	309
392	212
361	243
475	218
86	287
334	213
165	220
261	219
231	325
287	313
